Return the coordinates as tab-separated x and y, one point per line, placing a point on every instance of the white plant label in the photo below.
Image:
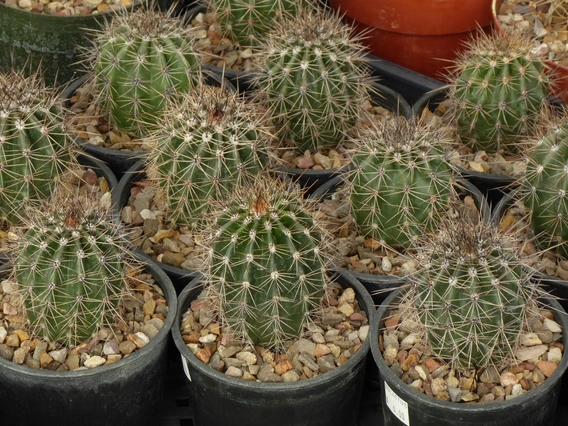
186	368
397	405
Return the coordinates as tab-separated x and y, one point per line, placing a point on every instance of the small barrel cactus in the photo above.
248	21
544	189
140	60
69	268
499	89
400	182
34	149
471	293
314	79
207	143
267	262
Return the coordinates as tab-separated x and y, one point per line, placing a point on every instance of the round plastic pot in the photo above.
310	179
219	400
380	285
180	277
401	402
422	36
559	73
127	392
120	161
557	287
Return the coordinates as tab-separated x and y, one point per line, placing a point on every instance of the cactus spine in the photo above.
314	79
499	89
267	263
400	182
70	270
141	59
208	143
471	294
34	149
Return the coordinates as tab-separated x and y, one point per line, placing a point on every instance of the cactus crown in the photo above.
141	59
34	149
69	268
267	261
207	143
471	293
314	79
400	180
499	88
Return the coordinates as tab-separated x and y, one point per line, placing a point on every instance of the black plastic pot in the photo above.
219	400
535	408
380	285
127	392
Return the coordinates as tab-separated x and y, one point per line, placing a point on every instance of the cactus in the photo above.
248	21
544	188
314	79
267	262
471	293
499	89
207	143
69	268
400	181
34	149
140	60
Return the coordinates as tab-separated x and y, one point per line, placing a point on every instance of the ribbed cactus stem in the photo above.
267	263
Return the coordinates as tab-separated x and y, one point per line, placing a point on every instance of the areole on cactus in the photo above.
34	149
140	60
267	262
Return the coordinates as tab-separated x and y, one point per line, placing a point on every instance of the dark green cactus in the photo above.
207	143
69	268
544	189
499	89
471	293
400	182
267	263
34	149
248	21
141	59
314	79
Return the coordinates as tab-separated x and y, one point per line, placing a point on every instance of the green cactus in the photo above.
267	262
544	189
400	181
207	143
34	149
314	79
499	89
141	59
471	293
69	268
248	21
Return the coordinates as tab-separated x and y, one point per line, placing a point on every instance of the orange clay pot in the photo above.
558	73
422	35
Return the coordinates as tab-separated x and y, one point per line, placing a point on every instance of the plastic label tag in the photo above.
185	367
397	405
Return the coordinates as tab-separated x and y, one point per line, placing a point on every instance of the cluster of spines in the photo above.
267	262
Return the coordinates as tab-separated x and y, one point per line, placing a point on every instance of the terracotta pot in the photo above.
422	36
558	72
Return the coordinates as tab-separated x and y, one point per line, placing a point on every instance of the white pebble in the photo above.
386	264
94	361
208	338
552	326
363	332
555	355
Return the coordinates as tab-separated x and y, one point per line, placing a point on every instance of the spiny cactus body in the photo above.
400	183
208	143
545	189
69	268
471	294
248	21
141	59
267	263
499	89
314	79
34	149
